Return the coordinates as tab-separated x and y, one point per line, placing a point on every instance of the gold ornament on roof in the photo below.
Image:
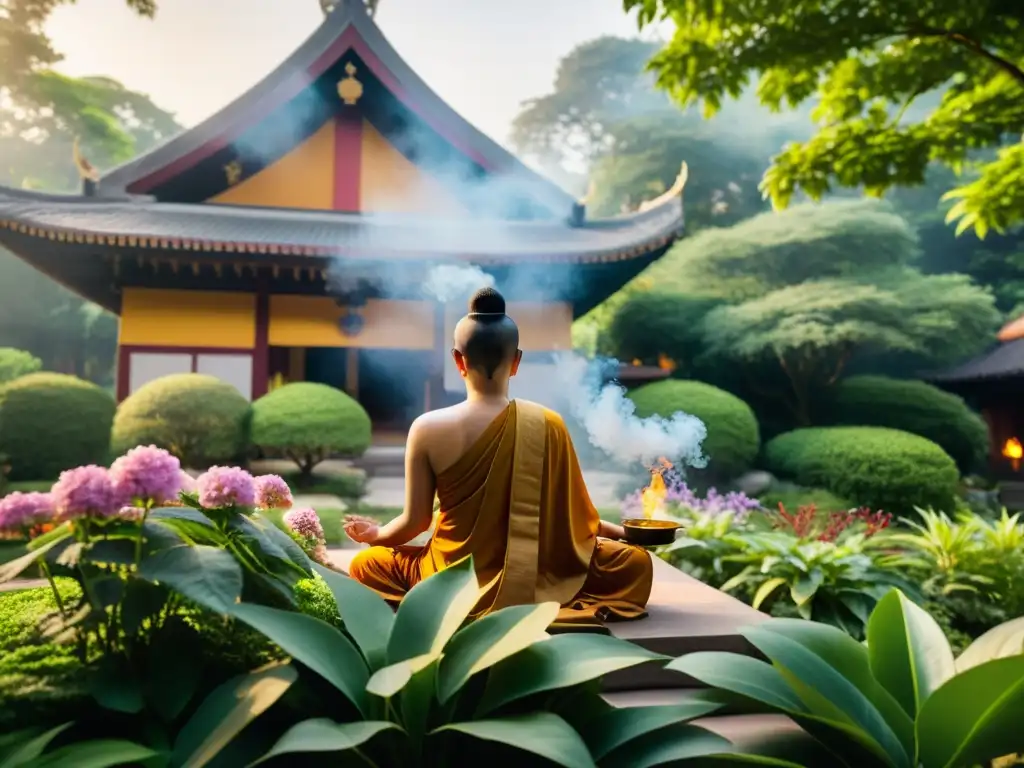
350	89
674	191
86	170
233	172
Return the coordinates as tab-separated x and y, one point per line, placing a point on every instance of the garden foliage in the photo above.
50	422
15	363
915	407
200	419
309	422
875	467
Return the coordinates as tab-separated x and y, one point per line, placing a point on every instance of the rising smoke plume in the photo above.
578	389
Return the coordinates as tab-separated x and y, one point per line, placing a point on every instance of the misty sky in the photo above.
483	57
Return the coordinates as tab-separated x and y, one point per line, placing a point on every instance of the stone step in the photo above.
685	616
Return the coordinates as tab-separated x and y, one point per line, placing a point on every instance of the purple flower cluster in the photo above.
86	492
679	494
272	492
221	487
147	474
22	511
305	523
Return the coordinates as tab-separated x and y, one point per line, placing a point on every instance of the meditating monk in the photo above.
511	495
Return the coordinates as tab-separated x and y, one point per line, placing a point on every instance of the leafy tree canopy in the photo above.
42	111
866	63
773	250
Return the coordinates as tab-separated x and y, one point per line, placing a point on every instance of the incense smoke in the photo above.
450	282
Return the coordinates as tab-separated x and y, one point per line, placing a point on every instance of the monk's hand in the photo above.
361	529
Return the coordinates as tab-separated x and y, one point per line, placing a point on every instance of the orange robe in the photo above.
517	503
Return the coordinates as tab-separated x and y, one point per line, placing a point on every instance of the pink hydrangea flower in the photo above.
147	473
186	483
306	523
221	487
272	492
85	491
20	511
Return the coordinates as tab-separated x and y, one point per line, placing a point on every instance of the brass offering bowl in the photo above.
650	533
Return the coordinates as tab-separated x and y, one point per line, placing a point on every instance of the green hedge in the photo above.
200	419
50	422
877	467
15	363
308	418
733	437
915	407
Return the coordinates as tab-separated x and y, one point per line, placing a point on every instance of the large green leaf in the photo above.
366	615
850	659
287	544
909	653
765	591
999	642
616	727
975	717
827	692
181	513
433	611
541	733
229	709
741	675
668	745
14	568
489	640
315	644
101	753
322	735
207	575
32	747
561	662
389	680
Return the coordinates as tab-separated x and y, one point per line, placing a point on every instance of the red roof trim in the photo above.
349	39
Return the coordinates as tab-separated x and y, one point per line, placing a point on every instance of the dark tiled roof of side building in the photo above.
1004	361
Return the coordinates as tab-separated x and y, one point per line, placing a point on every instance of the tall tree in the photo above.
866	63
41	114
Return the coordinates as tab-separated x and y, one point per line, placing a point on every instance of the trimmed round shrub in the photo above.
50	422
200	419
15	363
884	469
648	325
915	407
733	436
309	422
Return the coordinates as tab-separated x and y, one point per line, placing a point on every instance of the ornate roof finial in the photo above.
329	5
675	190
86	171
350	89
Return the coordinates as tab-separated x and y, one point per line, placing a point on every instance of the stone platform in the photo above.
686	616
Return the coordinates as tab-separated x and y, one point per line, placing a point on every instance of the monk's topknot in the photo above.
487	337
487	301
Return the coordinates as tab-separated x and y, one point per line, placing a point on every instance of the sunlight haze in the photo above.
483	58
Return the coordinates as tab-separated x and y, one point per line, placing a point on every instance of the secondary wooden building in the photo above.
994	384
290	236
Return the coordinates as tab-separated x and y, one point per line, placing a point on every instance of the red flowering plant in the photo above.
810	523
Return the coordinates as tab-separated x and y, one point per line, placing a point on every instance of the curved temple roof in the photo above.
143	223
347	27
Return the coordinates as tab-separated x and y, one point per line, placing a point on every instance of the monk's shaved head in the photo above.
486	337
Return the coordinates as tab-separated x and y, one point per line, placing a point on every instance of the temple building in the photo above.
994	384
291	235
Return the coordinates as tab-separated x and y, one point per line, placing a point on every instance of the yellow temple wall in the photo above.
390	183
169	318
303	178
312	321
